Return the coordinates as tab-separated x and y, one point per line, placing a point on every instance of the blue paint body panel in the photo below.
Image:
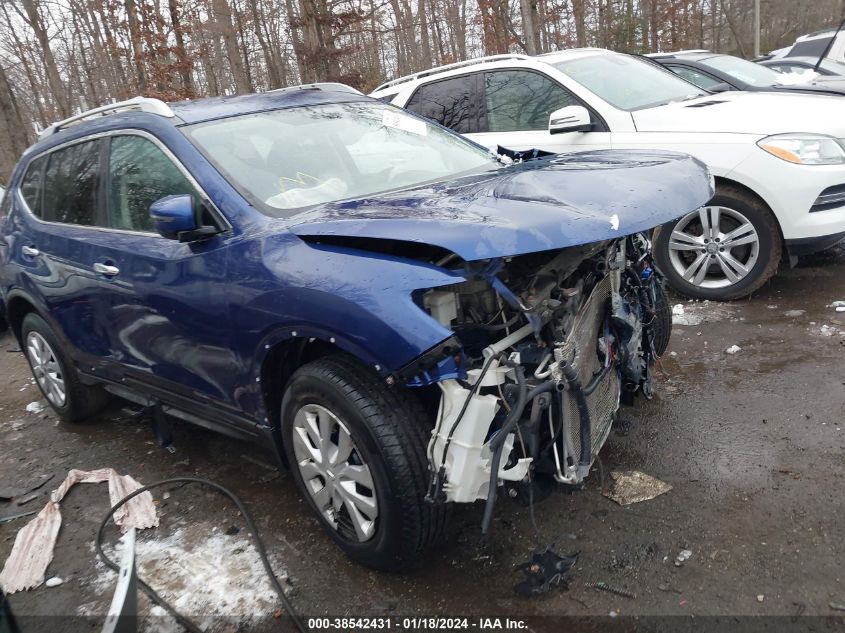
197	320
535	206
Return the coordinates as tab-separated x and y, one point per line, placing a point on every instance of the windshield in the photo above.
626	82
744	70
286	160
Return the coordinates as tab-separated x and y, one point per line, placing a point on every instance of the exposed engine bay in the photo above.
547	345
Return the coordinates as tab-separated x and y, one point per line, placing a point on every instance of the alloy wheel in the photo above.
46	368
714	247
334	472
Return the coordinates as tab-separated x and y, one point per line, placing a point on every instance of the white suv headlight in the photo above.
805	149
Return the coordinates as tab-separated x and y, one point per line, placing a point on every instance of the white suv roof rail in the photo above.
440	69
144	104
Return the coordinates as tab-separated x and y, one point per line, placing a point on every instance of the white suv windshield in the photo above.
626	82
286	160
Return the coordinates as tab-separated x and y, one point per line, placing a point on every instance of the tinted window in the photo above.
140	174
31	185
70	184
449	102
520	100
695	77
810	48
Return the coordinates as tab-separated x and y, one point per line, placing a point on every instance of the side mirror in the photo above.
573	118
175	217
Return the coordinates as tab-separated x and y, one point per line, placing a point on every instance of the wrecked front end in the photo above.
556	315
546	346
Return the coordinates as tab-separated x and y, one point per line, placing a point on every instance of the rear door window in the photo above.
449	102
71	184
519	100
31	185
139	174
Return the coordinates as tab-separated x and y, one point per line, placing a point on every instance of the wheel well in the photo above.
16	310
280	364
288	356
727	182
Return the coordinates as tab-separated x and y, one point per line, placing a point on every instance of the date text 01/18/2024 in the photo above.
417	623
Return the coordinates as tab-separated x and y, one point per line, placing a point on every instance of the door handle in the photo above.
29	251
105	269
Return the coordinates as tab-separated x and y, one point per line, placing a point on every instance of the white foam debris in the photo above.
840	308
828	330
837	304
34	407
55	581
202	574
794	313
733	349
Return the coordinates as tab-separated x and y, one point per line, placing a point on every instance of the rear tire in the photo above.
55	375
732	261
369	495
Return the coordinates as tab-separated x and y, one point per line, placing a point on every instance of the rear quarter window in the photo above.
31	185
449	102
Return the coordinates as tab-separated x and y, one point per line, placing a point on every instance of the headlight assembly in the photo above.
805	149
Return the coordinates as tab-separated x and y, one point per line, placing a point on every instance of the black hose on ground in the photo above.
259	547
498	442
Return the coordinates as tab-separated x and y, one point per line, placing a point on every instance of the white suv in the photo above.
778	160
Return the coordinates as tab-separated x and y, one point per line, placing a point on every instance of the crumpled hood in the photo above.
538	205
761	113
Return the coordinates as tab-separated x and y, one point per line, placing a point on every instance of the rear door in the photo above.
50	241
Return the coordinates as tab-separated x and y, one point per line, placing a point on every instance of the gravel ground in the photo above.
753	444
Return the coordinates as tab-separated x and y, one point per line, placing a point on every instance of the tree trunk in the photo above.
57	88
579	12
135	41
12	128
183	60
530	24
223	18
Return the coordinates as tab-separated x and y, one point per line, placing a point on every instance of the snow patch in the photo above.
34	407
201	574
693	314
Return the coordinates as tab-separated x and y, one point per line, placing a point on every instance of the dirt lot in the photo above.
753	443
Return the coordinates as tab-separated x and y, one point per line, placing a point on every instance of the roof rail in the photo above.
331	85
440	69
144	104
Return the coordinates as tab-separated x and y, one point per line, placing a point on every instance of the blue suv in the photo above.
406	319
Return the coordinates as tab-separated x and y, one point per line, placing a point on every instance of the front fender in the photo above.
357	300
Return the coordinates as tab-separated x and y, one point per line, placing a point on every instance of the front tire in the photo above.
724	251
661	326
356	448
55	375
